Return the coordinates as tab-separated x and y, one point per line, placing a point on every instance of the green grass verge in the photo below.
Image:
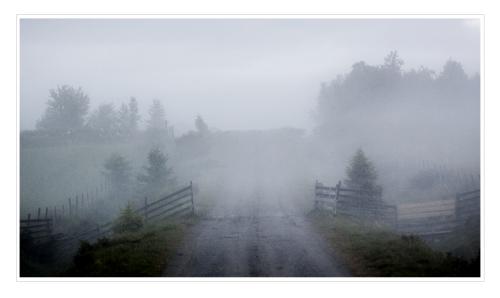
145	253
371	251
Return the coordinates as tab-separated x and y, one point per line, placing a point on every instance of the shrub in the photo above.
128	221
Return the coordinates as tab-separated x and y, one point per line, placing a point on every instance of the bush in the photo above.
128	221
145	253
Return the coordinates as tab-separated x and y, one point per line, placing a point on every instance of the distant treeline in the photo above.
394	112
377	85
67	113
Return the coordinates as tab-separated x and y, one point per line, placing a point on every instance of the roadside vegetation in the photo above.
369	250
143	253
134	249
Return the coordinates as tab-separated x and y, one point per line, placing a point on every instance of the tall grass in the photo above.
371	251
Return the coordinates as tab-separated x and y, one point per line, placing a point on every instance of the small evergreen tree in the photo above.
124	120
117	172
157	175
157	119
134	117
128	221
201	126
361	173
128	117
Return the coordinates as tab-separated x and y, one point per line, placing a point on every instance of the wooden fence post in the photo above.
55	213
29	218
396	218
70	209
76	206
38	217
192	196
316	195
145	209
337	196
49	225
46	212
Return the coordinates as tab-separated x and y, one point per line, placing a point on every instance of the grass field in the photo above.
50	173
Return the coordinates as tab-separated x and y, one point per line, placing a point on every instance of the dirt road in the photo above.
263	241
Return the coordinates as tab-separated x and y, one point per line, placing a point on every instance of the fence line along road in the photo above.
358	203
431	220
38	230
178	203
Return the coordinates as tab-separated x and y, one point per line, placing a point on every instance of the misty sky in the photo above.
236	73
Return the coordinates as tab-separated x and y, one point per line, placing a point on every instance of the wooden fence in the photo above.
79	206
36	230
467	206
178	203
427	219
439	218
358	203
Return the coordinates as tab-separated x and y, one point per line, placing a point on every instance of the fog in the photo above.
237	73
287	102
250	147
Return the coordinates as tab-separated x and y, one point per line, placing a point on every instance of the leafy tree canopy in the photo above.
66	110
104	119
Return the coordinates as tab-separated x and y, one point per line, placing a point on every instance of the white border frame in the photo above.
480	17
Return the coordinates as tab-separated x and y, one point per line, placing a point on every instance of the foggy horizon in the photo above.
250	67
250	147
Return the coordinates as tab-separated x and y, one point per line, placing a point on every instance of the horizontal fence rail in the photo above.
468	206
176	203
180	202
38	230
359	203
428	219
439	218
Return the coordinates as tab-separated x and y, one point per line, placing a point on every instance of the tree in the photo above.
134	117
104	120
393	62
124	120
453	78
128	117
128	221
117	172
453	72
66	110
201	126
361	173
157	174
157	119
